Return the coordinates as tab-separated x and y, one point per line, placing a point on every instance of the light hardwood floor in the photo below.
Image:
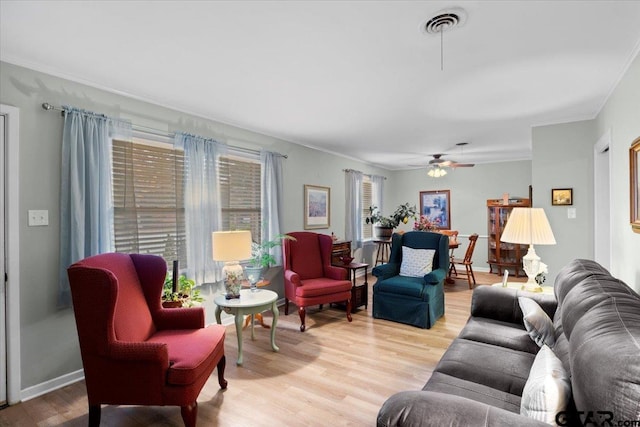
335	373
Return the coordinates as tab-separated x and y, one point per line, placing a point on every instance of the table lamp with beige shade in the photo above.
231	247
529	226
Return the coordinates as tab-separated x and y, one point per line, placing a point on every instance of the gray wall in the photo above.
564	159
621	115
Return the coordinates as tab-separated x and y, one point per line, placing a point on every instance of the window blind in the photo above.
240	189
148	200
367	201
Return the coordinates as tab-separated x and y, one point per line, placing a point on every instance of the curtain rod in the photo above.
153	131
365	174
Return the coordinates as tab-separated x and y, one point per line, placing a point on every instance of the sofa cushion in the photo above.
190	351
605	358
537	323
497	367
416	262
496	332
547	390
444	383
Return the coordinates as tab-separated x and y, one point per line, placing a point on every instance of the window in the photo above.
367	201
240	187
148	199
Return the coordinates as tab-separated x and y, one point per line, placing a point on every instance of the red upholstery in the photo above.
134	352
309	277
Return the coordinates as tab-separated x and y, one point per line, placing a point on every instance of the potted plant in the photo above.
384	225
261	257
185	294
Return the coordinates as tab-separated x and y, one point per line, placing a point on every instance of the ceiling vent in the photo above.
445	20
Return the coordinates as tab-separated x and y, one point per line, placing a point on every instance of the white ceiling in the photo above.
357	78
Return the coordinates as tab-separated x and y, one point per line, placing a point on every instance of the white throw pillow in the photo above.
538	323
416	262
548	388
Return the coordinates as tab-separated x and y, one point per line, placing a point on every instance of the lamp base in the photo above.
531	265
233	276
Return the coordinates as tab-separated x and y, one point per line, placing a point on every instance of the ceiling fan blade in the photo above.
462	165
446	163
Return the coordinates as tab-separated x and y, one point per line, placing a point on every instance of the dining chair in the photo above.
453	238
467	260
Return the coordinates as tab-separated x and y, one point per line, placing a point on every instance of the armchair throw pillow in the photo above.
537	322
548	388
416	262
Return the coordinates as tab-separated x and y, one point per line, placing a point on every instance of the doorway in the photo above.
10	252
602	201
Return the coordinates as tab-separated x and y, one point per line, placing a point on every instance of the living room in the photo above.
562	156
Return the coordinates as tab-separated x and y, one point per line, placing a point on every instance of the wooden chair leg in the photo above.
302	312
94	415
189	414
286	307
349	310
221	366
472	276
469	277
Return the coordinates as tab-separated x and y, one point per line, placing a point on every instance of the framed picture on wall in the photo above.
634	176
562	196
436	207
317	207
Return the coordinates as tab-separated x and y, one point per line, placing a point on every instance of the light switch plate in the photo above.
38	218
571	213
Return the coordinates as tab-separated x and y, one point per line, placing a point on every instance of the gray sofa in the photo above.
480	378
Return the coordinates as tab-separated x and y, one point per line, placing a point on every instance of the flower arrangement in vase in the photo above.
425	224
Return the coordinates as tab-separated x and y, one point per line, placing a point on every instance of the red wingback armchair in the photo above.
134	352
309	277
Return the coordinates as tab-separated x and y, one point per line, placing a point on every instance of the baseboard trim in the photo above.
51	385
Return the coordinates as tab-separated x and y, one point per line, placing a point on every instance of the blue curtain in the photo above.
202	204
272	200
86	209
353	211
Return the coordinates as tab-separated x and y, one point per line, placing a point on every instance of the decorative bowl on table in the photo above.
346	260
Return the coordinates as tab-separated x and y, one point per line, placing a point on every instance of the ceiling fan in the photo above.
439	161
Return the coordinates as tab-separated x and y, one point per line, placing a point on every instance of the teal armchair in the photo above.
417	301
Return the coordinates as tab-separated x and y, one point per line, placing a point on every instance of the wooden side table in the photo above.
520	286
384	249
359	293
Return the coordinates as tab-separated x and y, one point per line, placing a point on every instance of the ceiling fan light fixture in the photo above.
436	172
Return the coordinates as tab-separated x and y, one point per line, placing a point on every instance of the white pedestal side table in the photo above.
249	303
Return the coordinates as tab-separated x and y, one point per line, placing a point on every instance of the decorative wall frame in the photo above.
436	206
562	196
317	207
634	187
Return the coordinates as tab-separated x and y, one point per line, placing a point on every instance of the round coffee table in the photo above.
249	303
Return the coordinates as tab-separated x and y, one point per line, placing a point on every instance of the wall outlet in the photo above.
38	218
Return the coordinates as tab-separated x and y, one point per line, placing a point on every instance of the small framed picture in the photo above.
562	196
317	207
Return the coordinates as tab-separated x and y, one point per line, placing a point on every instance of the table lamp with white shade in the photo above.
231	247
529	226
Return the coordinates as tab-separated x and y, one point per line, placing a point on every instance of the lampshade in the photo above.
528	226
231	245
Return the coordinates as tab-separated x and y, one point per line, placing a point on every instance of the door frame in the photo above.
12	237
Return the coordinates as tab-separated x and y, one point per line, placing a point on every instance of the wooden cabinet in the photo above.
340	248
503	255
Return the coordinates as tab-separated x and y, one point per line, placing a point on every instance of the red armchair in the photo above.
309	277
134	352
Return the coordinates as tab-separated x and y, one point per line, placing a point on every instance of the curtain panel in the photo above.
353	205
86	209
202	204
272	199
